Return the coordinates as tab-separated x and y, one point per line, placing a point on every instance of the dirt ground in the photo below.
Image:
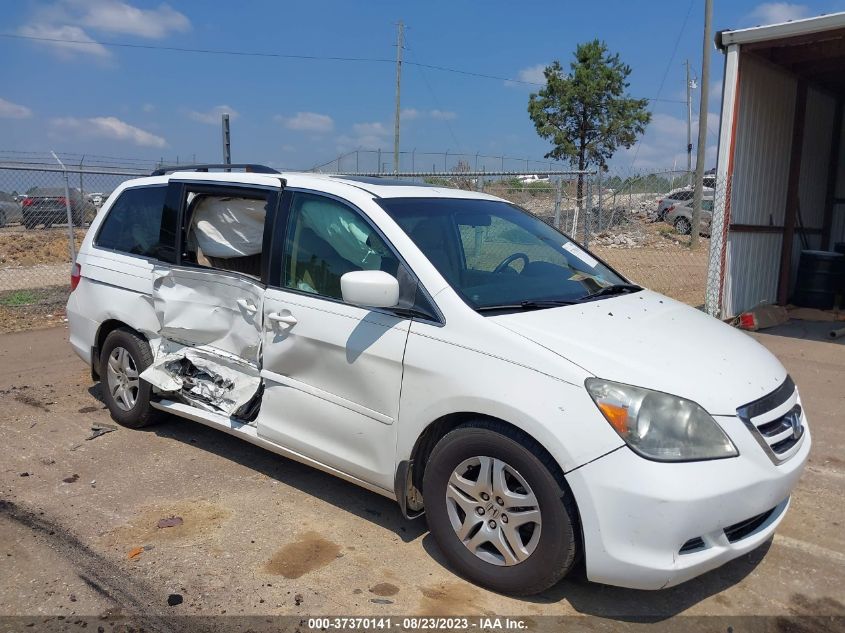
261	535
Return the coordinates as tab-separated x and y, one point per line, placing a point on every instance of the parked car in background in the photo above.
529	178
451	351
47	206
680	216
10	210
682	195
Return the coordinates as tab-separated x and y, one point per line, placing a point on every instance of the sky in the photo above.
143	102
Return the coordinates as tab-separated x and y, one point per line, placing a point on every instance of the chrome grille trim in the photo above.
776	421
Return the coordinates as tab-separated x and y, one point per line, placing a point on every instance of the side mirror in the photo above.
370	289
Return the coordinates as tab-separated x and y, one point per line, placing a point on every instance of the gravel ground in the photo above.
261	535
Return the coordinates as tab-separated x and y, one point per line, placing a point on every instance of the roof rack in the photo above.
247	167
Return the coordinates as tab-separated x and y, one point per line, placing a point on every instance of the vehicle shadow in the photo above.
632	605
341	494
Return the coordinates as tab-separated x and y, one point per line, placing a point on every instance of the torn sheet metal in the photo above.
210	308
201	377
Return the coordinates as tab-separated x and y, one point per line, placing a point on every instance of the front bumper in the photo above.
638	514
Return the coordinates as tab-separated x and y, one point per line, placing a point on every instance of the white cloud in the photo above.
65	49
442	115
213	116
113	16
109	128
663	146
371	135
412	114
775	12
531	74
308	122
148	107
9	110
376	128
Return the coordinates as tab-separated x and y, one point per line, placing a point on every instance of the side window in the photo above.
134	224
325	240
226	230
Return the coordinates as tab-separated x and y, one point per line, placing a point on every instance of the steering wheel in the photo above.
509	259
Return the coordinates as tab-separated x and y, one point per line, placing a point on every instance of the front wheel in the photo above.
683	226
497	511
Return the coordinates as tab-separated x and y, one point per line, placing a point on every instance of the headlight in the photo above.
658	425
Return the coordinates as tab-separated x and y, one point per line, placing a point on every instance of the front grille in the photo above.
776	422
742	529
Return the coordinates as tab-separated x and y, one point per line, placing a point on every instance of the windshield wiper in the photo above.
539	304
608	291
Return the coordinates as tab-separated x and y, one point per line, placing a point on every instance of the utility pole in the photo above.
702	124
227	142
689	127
400	43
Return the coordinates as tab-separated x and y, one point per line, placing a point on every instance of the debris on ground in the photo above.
24	474
170	522
71	479
298	599
174	598
135	552
381	601
100	429
761	317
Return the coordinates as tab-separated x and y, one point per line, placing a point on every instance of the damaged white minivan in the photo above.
451	351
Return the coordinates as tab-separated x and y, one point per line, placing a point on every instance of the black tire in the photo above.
683	226
558	546
29	222
142	413
2	218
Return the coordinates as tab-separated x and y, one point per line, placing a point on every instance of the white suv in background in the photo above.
449	350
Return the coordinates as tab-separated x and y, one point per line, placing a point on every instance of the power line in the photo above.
666	72
237	53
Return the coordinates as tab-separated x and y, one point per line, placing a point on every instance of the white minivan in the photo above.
450	351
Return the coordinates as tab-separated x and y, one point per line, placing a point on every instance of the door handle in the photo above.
247	306
282	320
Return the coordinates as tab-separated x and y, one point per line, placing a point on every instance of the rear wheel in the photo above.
124	356
683	226
497	511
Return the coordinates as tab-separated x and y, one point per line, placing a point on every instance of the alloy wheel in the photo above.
493	511
122	378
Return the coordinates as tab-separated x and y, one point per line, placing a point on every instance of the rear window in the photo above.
134	224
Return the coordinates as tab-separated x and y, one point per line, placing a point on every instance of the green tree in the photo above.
587	113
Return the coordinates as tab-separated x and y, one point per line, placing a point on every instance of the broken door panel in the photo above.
209	307
208	347
203	377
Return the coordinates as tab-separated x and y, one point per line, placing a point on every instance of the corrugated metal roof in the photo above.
794	28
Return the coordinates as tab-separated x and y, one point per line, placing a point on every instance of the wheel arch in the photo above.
107	327
437	429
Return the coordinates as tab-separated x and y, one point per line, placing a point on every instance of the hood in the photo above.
651	341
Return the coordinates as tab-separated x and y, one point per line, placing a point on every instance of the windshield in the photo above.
497	255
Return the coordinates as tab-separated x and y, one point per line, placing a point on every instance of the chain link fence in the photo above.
630	222
44	213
